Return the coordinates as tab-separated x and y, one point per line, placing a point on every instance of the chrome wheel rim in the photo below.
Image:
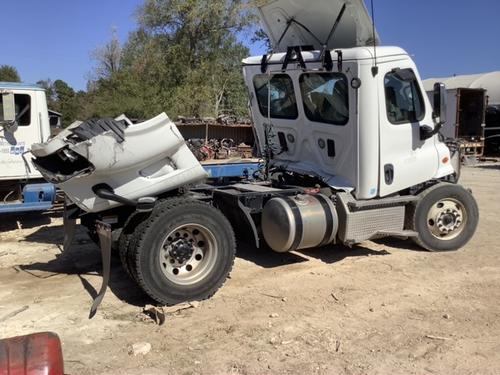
188	254
447	219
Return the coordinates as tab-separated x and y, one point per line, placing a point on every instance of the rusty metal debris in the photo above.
156	314
216	149
221	120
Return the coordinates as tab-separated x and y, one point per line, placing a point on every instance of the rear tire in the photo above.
183	252
126	242
445	217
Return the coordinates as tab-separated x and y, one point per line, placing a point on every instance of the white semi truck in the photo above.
352	150
24	120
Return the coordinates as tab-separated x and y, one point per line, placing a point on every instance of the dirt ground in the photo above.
384	307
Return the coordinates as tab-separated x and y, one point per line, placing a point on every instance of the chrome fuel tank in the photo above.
299	222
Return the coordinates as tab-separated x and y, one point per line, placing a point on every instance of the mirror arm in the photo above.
427	132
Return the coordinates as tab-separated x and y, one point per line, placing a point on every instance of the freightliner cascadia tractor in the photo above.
351	147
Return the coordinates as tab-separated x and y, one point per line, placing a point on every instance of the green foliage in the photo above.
184	59
9	74
66	100
63	99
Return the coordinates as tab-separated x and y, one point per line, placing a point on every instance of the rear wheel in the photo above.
183	252
127	241
446	217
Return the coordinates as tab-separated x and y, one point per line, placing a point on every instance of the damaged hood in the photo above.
318	16
131	161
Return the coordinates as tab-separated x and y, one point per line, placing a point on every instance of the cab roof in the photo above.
20	86
357	53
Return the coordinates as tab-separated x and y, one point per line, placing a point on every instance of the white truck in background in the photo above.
24	120
353	152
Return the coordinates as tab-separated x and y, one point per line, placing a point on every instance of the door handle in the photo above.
331	148
389	174
283	142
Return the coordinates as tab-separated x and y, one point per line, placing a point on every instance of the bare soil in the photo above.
384	307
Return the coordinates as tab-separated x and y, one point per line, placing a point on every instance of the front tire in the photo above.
183	252
445	217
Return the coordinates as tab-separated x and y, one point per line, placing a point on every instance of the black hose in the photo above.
106	192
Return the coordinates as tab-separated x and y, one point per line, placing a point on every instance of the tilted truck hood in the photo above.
131	160
355	28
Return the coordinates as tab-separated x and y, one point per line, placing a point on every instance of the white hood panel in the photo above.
319	16
133	160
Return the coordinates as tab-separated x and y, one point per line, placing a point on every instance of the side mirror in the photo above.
439	113
8	107
7	111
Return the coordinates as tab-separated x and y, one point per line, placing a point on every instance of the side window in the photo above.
279	91
404	101
326	97
23	109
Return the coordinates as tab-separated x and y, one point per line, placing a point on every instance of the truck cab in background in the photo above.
24	121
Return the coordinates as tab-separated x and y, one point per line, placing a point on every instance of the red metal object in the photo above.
37	354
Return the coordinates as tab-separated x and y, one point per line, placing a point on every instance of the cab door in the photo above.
13	144
329	117
405	159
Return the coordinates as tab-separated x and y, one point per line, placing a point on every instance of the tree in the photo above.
199	39
9	74
107	58
50	92
66	101
184	58
62	98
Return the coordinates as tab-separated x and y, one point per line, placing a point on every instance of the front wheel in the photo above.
445	217
184	252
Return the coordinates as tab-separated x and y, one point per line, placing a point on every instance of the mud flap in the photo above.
104	232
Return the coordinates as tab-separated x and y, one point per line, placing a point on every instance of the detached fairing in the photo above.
136	161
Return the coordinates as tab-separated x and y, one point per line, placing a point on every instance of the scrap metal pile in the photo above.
216	149
221	120
205	148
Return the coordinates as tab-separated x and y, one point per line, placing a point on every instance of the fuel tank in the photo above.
299	222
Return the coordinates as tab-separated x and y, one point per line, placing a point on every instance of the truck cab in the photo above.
355	130
24	121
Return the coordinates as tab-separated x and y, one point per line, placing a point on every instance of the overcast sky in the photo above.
54	38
